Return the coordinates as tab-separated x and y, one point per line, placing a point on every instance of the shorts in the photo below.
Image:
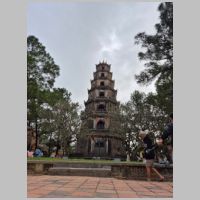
149	163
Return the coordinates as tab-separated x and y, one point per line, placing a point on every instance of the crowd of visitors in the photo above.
37	153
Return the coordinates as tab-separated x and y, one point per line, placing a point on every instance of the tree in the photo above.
132	120
41	74
67	124
141	112
158	55
48	126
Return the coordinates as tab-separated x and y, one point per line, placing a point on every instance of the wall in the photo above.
118	170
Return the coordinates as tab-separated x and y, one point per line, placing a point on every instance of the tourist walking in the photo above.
149	155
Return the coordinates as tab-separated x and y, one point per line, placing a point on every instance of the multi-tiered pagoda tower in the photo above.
100	135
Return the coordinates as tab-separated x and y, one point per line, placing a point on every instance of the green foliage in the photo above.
132	118
60	120
67	123
141	112
50	110
158	55
41	74
41	68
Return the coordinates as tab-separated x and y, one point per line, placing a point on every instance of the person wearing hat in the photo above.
149	154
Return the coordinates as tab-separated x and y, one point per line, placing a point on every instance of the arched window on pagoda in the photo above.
100	124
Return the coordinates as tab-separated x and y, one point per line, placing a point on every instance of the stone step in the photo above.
81	165
74	171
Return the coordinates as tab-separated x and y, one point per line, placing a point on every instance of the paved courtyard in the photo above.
80	186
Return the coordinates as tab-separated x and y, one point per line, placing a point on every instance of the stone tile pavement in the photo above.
45	186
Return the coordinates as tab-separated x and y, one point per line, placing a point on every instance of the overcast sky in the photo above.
79	35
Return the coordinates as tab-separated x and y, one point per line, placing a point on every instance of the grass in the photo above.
79	160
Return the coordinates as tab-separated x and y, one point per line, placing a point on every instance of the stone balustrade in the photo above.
121	170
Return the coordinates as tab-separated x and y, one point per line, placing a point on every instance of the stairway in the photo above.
80	170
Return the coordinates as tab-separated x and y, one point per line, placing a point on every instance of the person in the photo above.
149	155
168	137
30	153
38	153
53	154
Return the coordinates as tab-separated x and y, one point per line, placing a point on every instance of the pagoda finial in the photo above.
103	62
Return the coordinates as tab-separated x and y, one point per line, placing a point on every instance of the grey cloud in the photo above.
78	35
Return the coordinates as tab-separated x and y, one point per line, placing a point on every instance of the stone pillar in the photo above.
94	123
92	145
107	146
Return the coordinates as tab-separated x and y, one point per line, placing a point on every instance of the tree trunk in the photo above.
128	157
49	150
36	133
57	147
63	151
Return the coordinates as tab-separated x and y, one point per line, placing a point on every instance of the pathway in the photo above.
80	186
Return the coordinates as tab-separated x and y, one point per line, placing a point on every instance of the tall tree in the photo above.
41	74
132	120
47	126
67	124
158	55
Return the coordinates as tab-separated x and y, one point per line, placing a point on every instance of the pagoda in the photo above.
100	136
